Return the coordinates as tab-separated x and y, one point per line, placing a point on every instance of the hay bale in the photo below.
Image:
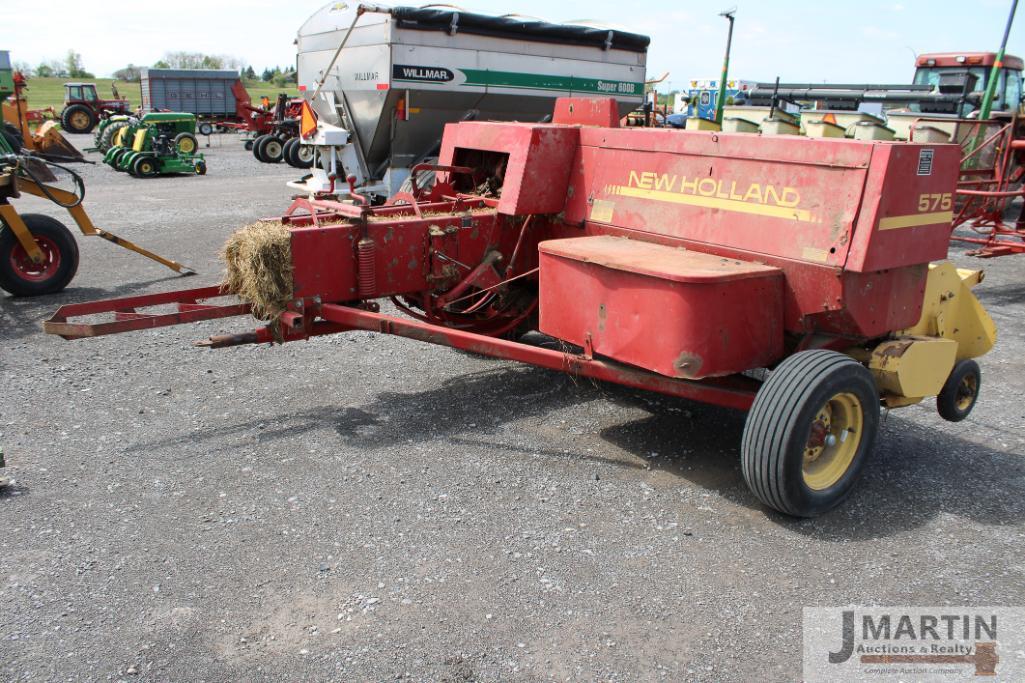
258	260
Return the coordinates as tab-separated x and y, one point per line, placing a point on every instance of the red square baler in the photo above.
798	278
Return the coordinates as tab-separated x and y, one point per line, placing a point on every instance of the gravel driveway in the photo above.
363	507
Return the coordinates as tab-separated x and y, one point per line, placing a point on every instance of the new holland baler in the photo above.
800	279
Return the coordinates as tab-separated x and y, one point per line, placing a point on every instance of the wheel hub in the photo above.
966	391
833	441
27	269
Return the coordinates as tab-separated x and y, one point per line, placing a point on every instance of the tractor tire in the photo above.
297	154
186	143
118	139
810	432
13	137
258	147
424	181
273	150
286	148
200	167
78	118
248	144
106	137
960	392
20	276
144	167
205	128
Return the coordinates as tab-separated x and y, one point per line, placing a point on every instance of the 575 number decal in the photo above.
935	202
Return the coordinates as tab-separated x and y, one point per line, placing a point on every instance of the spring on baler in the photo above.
367	250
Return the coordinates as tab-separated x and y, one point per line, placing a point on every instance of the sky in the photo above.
797	40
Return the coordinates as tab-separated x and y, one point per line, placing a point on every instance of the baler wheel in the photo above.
20	276
809	432
205	128
960	392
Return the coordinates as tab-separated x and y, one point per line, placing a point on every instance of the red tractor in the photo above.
83	108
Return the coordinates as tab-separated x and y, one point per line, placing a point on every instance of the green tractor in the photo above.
159	143
107	130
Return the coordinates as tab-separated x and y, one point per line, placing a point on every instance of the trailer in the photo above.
390	78
800	279
217	97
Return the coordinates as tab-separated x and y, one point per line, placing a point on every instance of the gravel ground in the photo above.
370	508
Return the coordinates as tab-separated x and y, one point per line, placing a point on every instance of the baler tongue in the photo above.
189	306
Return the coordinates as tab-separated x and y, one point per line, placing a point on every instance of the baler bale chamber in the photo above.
800	279
402	73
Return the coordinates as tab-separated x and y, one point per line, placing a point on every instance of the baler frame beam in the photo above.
735	391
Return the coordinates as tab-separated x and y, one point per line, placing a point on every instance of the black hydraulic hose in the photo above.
27	170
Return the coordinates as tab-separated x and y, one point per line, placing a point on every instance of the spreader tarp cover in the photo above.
453	21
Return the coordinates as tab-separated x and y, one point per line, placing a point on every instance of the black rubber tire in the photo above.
258	147
294	151
248	144
286	150
424	182
13	137
39	225
105	139
303	156
66	119
144	167
200	167
953	392
273	150
779	424
205	128
189	137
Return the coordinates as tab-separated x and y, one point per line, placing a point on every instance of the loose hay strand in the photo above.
258	260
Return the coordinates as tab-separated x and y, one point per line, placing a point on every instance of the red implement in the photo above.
680	262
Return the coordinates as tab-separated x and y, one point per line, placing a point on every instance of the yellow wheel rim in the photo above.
80	120
966	391
186	146
833	442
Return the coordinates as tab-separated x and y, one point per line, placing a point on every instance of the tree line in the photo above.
71	67
68	67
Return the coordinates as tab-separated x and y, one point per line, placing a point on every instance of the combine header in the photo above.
685	263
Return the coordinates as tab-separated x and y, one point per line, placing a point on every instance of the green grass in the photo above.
49	92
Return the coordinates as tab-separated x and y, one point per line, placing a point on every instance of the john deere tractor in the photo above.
107	130
159	143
